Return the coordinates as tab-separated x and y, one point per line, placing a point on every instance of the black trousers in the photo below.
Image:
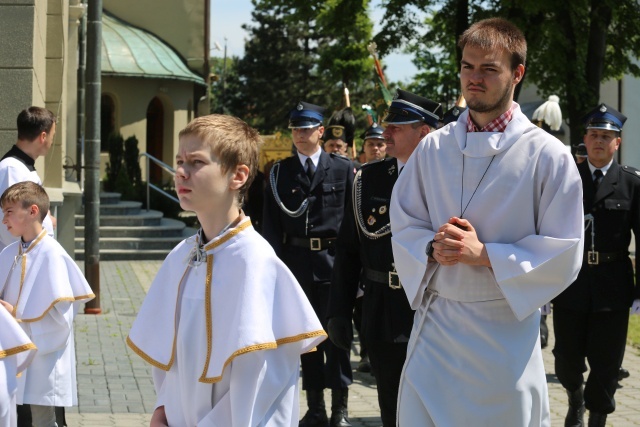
357	322
24	416
387	360
329	366
599	337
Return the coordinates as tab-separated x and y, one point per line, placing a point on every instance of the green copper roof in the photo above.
132	52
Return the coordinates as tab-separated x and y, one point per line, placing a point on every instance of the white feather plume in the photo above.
550	113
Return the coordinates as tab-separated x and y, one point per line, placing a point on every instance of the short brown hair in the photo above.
33	121
27	193
494	34
231	140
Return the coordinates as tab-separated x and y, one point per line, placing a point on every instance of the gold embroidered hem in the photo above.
265	346
16	350
73	299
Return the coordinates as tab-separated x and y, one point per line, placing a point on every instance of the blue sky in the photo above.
227	17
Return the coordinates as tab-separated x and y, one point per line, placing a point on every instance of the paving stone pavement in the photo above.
115	387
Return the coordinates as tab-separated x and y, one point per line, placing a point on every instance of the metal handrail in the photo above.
164	166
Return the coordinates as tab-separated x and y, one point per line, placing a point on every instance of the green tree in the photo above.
300	50
225	84
573	46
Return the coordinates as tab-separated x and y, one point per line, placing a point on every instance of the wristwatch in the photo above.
430	248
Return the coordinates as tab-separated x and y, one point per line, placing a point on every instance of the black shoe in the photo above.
597	419
543	341
575	414
316	416
623	373
364	365
339	415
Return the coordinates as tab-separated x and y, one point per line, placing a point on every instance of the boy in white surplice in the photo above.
42	287
225	321
16	351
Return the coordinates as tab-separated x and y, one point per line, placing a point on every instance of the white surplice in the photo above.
16	352
474	355
46	287
13	171
225	334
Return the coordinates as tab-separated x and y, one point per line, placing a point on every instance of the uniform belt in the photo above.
312	243
595	258
389	278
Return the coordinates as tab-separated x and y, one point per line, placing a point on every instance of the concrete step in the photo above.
143	218
109	198
167	228
121	208
133	243
129	254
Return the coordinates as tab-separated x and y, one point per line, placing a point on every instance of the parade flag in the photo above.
383	97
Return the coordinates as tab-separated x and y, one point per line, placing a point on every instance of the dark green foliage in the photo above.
573	46
115	144
297	50
131	162
123	169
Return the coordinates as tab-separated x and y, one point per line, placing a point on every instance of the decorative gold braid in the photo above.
207	313
258	347
148	358
24	266
16	350
35	319
299	337
227	236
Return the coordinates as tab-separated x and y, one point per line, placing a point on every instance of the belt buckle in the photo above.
315	243
593	258
394	280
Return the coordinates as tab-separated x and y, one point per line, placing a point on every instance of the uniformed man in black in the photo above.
591	317
305	201
364	243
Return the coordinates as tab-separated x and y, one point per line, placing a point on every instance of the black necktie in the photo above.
598	178
311	169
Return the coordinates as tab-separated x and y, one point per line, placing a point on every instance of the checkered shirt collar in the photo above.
499	124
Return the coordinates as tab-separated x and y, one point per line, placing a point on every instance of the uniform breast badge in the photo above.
371	220
382	210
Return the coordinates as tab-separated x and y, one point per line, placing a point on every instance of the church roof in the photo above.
128	51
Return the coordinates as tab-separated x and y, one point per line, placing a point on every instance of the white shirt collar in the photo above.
315	158
604	169
400	164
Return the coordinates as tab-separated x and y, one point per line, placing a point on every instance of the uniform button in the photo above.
311	226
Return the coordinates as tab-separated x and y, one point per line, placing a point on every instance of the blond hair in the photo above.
27	193
497	34
231	140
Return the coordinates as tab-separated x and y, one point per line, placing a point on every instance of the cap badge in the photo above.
396	95
299	107
337	132
603	108
371	220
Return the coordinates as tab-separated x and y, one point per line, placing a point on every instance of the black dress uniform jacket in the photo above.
615	206
326	193
386	314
